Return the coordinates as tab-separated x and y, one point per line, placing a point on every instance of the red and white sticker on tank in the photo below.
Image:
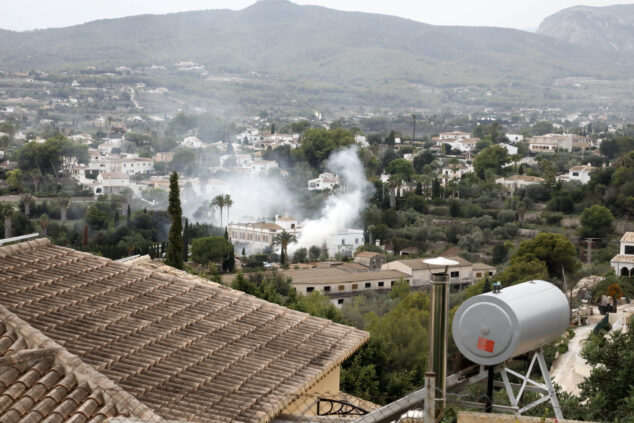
486	344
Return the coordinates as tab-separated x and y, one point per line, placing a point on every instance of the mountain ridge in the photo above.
367	57
609	28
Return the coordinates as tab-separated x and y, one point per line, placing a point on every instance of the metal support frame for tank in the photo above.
546	389
527	384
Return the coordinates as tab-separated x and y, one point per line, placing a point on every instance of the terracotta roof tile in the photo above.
186	347
40	389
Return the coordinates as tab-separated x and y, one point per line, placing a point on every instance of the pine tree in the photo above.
186	241
174	256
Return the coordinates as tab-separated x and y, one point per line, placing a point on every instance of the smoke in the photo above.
255	198
342	210
258	198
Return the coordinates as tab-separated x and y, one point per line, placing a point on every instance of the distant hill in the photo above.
608	28
341	56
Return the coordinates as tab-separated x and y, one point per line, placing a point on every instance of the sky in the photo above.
521	14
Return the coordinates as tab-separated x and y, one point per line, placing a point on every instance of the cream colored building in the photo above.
419	273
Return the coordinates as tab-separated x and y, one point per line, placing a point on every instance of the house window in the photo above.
392	283
490	273
355	286
381	284
455	274
479	275
575	173
342	287
310	289
340	301
326	289
368	284
629	249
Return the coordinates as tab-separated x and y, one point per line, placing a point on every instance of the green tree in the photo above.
318	143
97	217
174	256
554	250
491	158
300	255
596	222
14	179
283	239
314	252
211	249
542	127
400	167
522	271
608	393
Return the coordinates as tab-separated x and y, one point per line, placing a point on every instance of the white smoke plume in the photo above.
342	210
255	198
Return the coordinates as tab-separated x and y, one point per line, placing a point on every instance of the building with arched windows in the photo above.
623	263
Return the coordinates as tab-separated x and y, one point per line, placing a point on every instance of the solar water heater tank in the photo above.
491	328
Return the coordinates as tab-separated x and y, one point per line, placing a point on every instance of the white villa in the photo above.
455	135
325	181
110	183
623	263
515	138
192	142
519	181
256	237
451	172
578	173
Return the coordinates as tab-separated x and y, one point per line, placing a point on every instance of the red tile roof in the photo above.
187	348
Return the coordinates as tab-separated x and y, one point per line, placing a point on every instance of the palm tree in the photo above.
283	239
219	201
228	204
27	199
44	224
6	211
64	202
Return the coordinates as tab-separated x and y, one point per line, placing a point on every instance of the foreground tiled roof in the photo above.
40	381
191	351
35	387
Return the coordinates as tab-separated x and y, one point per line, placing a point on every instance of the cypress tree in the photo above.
282	257
186	241
226	234
129	217
174	256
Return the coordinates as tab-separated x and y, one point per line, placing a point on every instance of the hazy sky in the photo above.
523	14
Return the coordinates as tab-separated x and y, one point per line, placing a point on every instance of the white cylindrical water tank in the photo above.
494	327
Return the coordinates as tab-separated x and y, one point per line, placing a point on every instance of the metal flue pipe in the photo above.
438	326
